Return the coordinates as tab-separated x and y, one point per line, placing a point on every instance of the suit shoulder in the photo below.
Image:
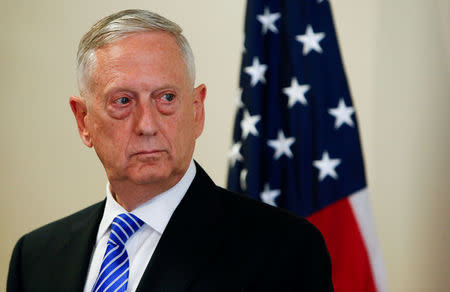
250	214
282	239
256	213
46	232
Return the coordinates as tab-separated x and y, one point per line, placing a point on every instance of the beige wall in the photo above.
397	56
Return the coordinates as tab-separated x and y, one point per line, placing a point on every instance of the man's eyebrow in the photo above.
114	89
166	87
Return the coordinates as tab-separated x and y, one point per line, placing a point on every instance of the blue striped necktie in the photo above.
114	271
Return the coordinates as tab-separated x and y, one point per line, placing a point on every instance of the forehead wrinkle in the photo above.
102	80
117	79
115	60
172	44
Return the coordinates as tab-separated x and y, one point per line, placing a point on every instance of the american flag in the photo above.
296	143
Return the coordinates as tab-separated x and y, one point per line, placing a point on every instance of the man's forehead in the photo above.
150	41
155	55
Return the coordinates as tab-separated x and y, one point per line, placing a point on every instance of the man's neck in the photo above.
130	196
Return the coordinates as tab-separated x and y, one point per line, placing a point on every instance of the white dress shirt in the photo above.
155	213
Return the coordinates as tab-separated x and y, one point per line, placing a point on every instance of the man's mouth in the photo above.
148	153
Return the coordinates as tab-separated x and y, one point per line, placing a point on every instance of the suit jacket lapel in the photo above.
74	256
189	240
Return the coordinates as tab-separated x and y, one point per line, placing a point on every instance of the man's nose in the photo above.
146	118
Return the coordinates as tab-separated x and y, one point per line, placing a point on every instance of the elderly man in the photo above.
164	225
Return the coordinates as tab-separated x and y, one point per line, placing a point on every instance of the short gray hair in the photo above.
119	25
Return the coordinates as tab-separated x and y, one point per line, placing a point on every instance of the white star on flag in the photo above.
296	93
281	145
256	71
310	40
243	179
326	166
248	124
235	154
268	20
342	113
268	196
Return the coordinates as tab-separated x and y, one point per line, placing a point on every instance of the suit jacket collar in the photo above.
189	241
74	254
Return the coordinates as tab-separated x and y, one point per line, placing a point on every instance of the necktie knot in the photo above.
123	227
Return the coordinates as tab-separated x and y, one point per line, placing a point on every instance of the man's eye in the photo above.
122	100
168	96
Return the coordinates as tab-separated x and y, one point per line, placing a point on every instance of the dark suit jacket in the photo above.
215	241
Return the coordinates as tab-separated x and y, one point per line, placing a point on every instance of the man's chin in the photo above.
156	175
160	173
142	178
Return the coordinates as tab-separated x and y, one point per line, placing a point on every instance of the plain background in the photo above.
397	58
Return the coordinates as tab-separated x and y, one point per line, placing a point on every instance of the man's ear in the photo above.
79	109
199	108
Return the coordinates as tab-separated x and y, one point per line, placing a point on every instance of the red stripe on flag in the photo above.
349	259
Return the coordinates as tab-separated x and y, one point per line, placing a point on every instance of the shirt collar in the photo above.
156	212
